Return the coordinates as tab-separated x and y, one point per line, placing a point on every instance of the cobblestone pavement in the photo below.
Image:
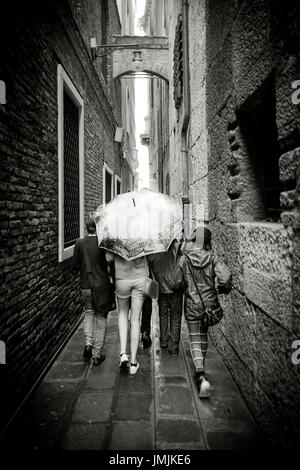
78	407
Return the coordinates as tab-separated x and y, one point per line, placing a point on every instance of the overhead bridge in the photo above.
148	54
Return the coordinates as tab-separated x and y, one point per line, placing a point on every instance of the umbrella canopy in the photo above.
139	223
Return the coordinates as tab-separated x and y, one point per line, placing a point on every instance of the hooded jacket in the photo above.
206	268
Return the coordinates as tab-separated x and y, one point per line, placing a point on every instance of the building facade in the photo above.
59	161
154	23
234	162
129	152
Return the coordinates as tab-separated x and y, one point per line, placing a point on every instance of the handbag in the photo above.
103	296
211	316
151	288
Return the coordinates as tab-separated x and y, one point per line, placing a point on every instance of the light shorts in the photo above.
126	288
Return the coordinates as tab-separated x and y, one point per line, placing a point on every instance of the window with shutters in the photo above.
71	165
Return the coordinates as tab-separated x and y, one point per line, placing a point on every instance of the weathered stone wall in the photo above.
175	117
236	50
40	297
245	44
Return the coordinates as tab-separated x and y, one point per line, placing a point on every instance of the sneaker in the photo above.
124	361
97	360
134	368
87	352
146	339
203	385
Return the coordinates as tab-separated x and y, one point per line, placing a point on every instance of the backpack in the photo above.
178	282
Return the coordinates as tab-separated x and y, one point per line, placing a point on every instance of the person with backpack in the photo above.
170	301
201	268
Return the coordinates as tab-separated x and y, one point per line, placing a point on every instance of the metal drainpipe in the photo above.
187	109
186	65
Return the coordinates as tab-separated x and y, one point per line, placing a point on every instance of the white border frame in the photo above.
64	83
109	170
118	179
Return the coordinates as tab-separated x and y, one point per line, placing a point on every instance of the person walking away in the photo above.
202	267
169	301
95	322
146	322
131	277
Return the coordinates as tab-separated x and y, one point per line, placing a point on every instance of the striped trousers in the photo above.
198	343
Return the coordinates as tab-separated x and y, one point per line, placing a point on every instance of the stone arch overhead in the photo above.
147	66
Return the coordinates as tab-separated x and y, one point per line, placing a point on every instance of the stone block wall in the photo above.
251	45
242	55
39	297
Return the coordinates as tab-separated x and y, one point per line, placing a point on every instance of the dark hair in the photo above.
90	225
206	237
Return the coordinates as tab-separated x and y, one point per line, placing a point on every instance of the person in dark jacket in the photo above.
202	268
95	323
169	302
146	323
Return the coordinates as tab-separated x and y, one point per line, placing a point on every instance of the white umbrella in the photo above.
139	223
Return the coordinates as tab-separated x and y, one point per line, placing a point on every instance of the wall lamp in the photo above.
105	49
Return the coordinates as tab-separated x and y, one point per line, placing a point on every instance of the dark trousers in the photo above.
146	315
170	313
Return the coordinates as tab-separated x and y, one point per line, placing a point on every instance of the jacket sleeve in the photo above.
76	260
223	275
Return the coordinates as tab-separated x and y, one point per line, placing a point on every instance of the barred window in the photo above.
71	165
71	171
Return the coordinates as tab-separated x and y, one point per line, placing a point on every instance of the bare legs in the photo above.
123	305
136	308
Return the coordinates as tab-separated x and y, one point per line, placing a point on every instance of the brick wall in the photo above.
39	300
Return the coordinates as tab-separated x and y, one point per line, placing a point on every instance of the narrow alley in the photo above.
135	125
79	407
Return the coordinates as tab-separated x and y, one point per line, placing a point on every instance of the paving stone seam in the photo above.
155	342
153	388
193	388
71	407
133	393
172	417
160	443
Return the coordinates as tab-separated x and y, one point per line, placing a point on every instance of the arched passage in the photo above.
154	69
154	56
